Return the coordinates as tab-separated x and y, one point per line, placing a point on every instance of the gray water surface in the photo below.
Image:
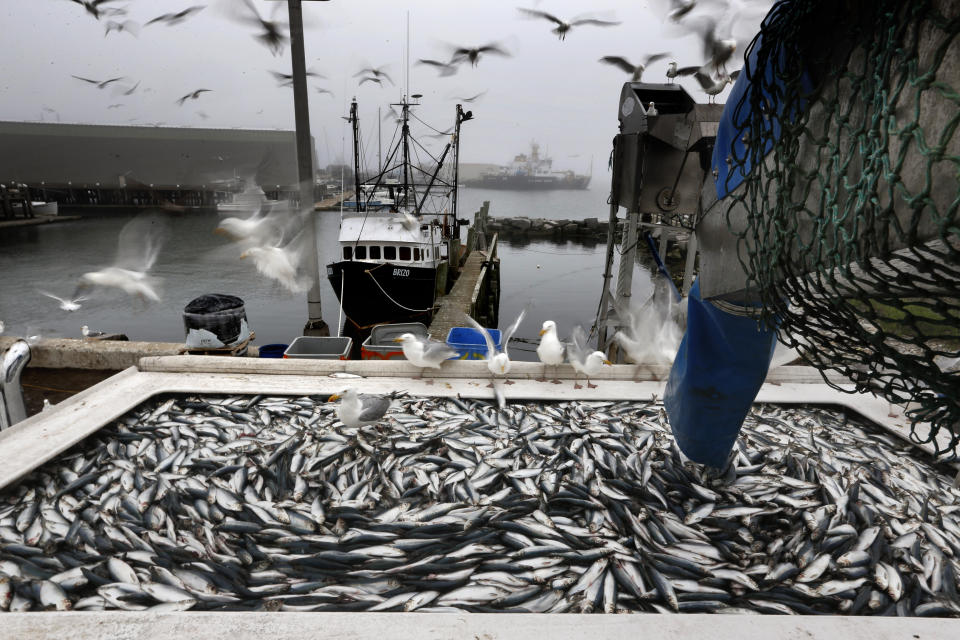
561	281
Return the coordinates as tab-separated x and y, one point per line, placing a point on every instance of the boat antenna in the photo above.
355	123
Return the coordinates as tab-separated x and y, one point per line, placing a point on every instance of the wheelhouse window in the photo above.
426	253
416	255
389	253
374	253
405	253
360	253
348	253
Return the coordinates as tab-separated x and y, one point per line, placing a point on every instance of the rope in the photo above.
369	272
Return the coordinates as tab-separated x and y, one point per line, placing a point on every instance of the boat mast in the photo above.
405	133
456	167
355	123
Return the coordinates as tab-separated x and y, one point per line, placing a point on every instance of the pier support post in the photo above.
315	325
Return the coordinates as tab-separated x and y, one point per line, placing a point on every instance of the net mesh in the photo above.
847	218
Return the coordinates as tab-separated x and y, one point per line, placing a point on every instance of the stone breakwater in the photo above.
592	228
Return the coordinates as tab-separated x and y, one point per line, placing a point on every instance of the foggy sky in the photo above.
551	91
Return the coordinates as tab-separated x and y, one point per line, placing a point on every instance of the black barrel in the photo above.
215	320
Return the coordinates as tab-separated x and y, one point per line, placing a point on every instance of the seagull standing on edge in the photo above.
550	350
360	410
587	363
425	353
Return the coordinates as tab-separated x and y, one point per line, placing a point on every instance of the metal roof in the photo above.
54	153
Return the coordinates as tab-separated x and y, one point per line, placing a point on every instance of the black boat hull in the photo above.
388	292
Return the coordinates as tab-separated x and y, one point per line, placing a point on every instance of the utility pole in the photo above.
315	325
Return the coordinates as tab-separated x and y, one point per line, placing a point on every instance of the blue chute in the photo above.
722	361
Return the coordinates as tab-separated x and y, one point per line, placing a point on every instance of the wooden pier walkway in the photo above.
477	289
36	220
332	203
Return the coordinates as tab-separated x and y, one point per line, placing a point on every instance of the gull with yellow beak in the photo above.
360	410
425	352
583	361
498	362
550	350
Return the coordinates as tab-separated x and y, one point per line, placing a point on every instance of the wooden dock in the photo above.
332	203
36	220
477	289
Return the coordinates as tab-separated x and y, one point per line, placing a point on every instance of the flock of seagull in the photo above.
685	16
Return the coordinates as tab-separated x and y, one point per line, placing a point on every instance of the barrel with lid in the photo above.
215	321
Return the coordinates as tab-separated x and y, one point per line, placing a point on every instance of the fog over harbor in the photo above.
551	90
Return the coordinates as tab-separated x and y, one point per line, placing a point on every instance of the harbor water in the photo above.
562	281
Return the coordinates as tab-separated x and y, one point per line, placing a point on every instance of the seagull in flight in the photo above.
100	84
473	53
286	79
563	26
131	27
377	80
172	19
376	72
271	33
65	303
471	98
443	68
322	90
138	247
193	95
636	70
498	361
131	89
93	6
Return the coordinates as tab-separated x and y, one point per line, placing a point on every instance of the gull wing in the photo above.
512	329
140	241
438	351
373	407
491	347
533	13
621	63
579	347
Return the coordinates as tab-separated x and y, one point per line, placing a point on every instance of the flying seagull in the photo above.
322	90
471	98
99	84
564	26
271	33
93	6
138	247
473	53
131	27
172	19
131	89
286	79
66	304
360	410
376	72
371	79
193	95
636	70
443	68
498	361
718	51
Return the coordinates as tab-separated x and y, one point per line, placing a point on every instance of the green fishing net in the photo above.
847	219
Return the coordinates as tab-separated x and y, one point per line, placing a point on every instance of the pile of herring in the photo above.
270	503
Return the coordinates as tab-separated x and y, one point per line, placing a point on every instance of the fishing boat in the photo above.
399	231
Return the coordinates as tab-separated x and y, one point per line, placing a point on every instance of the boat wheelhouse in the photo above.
397	234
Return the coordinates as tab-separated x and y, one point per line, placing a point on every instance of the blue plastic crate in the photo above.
469	342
